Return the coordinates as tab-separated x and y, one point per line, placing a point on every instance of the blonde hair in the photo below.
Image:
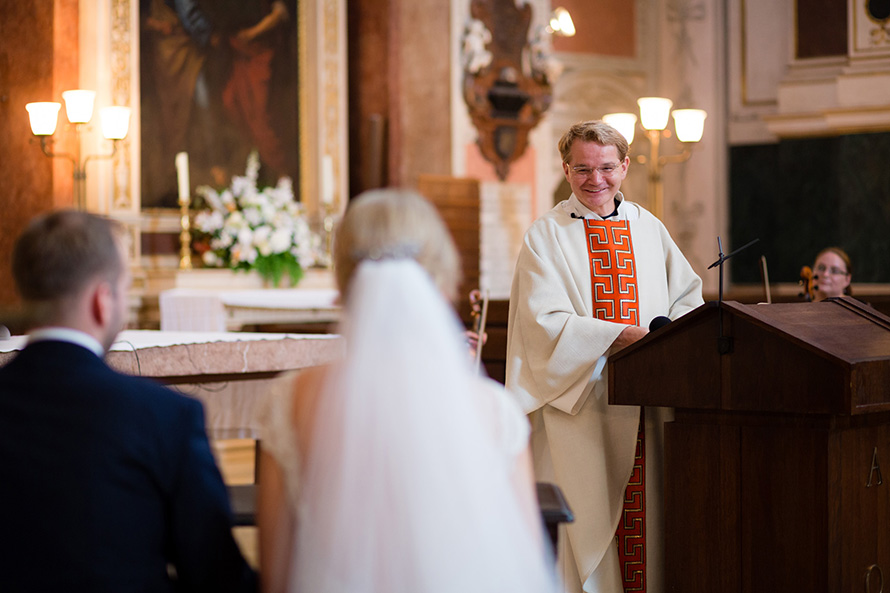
592	131
388	223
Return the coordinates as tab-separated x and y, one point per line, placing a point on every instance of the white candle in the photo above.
182	175
327	180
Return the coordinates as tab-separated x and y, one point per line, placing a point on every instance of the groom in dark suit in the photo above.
107	482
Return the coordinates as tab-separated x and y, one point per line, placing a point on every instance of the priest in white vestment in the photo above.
592	273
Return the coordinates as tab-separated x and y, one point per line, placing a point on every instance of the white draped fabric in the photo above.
407	484
201	309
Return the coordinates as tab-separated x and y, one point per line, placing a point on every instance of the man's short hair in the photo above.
592	131
60	252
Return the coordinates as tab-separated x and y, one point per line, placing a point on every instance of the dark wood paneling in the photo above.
702	492
783	508
774	504
457	200
822	28
810	382
494	353
694	380
863	508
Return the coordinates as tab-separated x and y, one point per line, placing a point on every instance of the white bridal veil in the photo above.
406	489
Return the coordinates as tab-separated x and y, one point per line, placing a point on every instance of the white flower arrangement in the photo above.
248	228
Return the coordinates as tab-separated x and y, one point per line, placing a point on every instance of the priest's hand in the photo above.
628	336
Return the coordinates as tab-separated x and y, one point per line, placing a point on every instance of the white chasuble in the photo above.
558	342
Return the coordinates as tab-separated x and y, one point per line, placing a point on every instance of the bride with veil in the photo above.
397	470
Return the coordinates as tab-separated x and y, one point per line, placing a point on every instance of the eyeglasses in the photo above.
821	269
605	170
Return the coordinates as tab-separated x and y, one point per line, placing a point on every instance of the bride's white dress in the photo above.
408	485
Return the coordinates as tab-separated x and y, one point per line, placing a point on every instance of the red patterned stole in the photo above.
613	281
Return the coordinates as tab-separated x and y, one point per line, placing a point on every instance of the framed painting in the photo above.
218	79
288	56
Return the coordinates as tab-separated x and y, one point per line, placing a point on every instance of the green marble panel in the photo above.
798	196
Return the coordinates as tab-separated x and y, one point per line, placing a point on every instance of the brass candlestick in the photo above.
329	236
185	235
185	198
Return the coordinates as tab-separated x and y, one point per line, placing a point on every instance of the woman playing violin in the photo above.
832	274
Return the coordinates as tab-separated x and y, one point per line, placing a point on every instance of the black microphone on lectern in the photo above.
658	322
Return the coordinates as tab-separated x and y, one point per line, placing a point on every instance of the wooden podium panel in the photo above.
773	464
758	506
831	357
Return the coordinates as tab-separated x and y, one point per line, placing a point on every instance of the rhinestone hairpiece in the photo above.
397	251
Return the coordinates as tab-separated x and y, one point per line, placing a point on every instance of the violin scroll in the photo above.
807	284
479	305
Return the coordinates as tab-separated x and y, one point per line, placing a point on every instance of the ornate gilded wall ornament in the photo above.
507	78
878	11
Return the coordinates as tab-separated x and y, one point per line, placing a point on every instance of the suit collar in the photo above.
66	334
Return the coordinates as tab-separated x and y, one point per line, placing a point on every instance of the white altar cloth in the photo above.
134	339
192	309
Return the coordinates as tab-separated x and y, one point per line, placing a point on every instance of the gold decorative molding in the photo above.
303	97
121	45
322	100
333	126
870	28
879	34
743	26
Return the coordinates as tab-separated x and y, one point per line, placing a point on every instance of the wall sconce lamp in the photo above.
115	123
561	23
654	115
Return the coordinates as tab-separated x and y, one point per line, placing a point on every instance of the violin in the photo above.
807	284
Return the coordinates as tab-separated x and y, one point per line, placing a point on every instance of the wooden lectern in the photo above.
773	465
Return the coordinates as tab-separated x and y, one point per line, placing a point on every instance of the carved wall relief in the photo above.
507	79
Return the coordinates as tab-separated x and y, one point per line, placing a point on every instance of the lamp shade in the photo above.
561	22
654	112
115	122
625	123
690	124
79	105
44	116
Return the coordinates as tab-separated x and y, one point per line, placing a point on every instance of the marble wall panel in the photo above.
369	66
604	28
420	92
801	195
38	59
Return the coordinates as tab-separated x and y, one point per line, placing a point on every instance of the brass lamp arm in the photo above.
676	158
46	141
79	168
107	156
